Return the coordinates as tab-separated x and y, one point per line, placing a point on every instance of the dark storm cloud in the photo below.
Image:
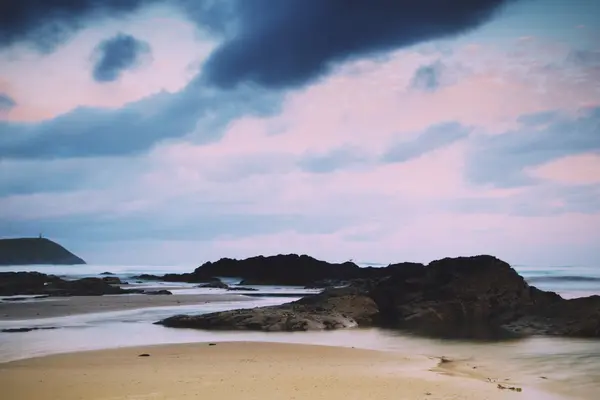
501	159
6	102
279	43
47	23
116	55
273	43
289	42
435	137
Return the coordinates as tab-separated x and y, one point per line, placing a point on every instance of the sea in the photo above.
550	368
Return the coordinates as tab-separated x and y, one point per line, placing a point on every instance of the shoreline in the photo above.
52	307
262	370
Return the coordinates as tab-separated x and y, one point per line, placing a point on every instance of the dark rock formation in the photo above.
449	295
35	283
113	280
161	292
26	298
21	330
242	288
328	310
217	284
574	317
29	251
289	269
147	277
454	292
107	273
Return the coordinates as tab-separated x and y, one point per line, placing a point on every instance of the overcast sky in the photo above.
179	131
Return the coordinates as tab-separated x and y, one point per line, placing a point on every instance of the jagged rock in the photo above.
217	284
26	298
479	293
331	310
574	317
21	330
242	288
158	292
454	292
148	277
35	283
113	280
290	269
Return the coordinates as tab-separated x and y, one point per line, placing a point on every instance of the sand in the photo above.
64	306
246	370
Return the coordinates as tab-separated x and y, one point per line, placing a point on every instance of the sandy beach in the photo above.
245	370
64	306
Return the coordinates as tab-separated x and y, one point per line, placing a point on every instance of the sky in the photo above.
171	132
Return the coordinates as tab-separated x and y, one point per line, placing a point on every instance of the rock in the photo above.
334	309
147	277
26	298
144	355
290	269
214	285
32	251
107	273
326	283
113	280
24	283
479	295
574	317
161	292
287	270
246	289
35	283
20	330
452	292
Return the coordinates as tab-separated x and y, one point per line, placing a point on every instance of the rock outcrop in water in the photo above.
283	269
35	283
332	309
449	295
30	251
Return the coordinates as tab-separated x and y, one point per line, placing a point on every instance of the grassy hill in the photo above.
28	251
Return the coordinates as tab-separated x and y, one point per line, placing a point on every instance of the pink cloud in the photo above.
572	170
54	84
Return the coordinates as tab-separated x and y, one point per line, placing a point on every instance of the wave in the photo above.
564	278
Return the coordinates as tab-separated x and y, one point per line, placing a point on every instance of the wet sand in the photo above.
243	370
65	306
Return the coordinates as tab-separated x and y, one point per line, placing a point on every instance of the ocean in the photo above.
570	367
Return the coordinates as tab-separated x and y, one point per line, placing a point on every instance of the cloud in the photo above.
6	103
576	169
135	128
435	137
115	55
295	41
339	158
47	23
427	77
501	160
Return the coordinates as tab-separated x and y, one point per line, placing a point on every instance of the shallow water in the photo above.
568	366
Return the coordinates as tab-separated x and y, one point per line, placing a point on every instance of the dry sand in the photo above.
241	371
63	306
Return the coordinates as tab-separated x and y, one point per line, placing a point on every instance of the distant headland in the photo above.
30	251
